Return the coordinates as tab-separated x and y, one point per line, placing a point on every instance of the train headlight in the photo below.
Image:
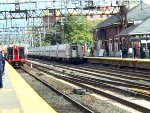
22	60
10	60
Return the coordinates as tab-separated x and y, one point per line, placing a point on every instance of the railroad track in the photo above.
91	83
121	81
74	106
122	73
133	73
128	84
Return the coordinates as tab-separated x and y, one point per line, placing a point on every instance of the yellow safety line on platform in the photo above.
10	111
119	59
140	90
28	98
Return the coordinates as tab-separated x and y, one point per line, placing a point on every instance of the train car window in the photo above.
10	53
21	52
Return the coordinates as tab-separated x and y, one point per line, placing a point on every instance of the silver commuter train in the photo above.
64	52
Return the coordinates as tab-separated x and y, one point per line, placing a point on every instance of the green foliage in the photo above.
53	38
76	29
37	43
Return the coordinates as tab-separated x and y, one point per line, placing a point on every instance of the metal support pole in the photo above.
31	65
44	32
62	33
33	34
40	38
62	27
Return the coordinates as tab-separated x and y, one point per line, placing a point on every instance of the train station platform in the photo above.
17	96
127	62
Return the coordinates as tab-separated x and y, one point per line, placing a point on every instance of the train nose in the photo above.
23	60
10	60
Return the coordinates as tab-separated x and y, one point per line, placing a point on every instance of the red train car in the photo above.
16	55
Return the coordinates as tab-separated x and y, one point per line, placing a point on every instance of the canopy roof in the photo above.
138	13
140	29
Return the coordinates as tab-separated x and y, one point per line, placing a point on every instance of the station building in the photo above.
113	36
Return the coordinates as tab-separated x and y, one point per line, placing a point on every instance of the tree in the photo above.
75	30
78	30
53	38
54	35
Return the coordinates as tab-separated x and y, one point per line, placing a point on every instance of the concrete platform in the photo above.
17	96
128	62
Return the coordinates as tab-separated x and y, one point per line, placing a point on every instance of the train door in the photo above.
74	51
16	53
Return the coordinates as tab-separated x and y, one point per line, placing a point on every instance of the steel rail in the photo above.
100	75
77	104
116	72
96	83
120	100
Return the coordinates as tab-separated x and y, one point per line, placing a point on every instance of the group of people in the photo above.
134	52
2	66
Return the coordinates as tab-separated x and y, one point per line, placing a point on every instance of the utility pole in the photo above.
123	13
40	36
62	32
62	27
35	14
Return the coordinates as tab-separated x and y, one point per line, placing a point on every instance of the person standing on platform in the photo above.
91	52
134	51
3	61
1	69
107	51
149	51
130	52
141	52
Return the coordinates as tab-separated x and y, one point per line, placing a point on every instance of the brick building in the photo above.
107	33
